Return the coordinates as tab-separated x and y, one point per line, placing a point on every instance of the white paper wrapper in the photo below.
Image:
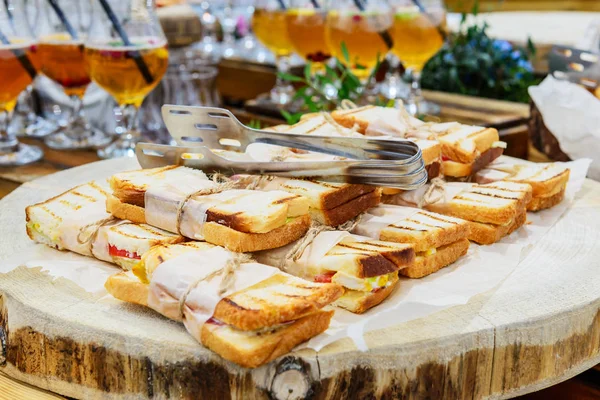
380	217
171	281
572	114
451	190
481	270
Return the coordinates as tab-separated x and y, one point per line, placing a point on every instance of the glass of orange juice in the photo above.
127	56
269	24
362	26
418	34
19	62
62	30
306	30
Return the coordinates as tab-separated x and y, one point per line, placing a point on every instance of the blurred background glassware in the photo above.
18	68
393	86
418	35
269	25
363	27
63	28
193	85
127	57
208	48
305	20
25	122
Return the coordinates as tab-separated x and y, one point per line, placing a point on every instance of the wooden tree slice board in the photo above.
539	327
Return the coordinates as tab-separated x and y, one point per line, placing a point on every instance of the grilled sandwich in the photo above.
464	149
492	210
365	120
548	181
438	240
330	203
250	327
367	269
238	219
60	221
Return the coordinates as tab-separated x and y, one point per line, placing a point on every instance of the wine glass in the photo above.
419	33
362	27
63	27
126	52
269	25
306	30
19	62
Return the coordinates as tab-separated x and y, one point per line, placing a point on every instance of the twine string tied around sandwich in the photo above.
227	273
223	183
315	229
91	237
434	193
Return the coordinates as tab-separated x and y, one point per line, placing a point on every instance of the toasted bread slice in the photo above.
276	300
496	203
322	195
358	302
545	180
456	169
366	259
128	242
544	202
426	230
158	254
43	220
247	348
426	264
345	212
489	233
130	187
255	348
464	144
362	117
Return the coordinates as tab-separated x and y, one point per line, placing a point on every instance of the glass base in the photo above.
282	95
422	107
13	153
78	139
38	128
122	147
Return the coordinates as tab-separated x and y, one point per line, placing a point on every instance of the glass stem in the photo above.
283	66
77	118
131	122
8	143
415	96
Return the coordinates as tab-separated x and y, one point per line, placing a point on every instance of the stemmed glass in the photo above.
306	30
418	33
18	67
269	25
63	28
127	55
362	26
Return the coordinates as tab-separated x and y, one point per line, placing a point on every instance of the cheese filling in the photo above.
364	284
426	253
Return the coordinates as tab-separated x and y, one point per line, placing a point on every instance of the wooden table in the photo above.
539	327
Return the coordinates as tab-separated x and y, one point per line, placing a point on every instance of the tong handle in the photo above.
220	129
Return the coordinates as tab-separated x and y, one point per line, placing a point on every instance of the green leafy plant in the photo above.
255	124
474	64
325	91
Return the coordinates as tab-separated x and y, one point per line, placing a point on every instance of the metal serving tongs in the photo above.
199	130
578	66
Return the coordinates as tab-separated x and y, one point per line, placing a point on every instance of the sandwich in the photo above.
438	240
548	181
77	220
492	210
366	268
329	203
465	149
391	123
239	219
264	315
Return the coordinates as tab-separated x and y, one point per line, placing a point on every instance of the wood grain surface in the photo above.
541	326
